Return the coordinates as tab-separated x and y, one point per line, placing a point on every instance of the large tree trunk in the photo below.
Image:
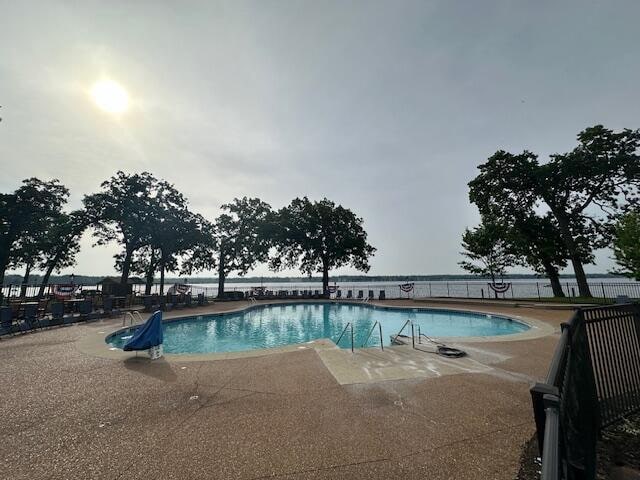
45	280
25	280
162	276
126	264
325	278
221	276
554	278
574	256
150	271
4	262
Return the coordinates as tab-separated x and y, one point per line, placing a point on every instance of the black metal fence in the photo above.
467	289
593	381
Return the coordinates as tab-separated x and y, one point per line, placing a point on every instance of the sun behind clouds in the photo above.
110	96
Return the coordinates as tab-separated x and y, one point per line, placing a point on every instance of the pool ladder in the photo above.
349	324
132	317
371	331
413	338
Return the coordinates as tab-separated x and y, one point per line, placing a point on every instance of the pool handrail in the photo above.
349	324
371	331
400	331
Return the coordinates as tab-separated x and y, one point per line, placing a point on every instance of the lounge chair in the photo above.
382	295
349	294
360	294
338	293
371	296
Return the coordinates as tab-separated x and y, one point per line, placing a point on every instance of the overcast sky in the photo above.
384	107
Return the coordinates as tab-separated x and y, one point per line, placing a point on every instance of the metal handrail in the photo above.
349	324
126	315
400	331
371	331
133	316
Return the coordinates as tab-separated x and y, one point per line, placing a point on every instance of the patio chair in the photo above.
147	303
6	319
107	305
85	308
338	293
349	294
201	299
187	300
382	295
57	314
371	295
360	294
29	320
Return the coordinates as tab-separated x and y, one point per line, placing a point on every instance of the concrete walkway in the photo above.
67	414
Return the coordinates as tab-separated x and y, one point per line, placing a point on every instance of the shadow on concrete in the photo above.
160	369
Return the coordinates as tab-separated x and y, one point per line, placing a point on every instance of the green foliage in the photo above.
243	234
237	241
26	216
583	189
487	250
138	210
626	244
320	236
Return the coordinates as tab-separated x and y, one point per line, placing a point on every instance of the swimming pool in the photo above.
268	326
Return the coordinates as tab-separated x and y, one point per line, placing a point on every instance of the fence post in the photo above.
538	391
604	295
467	289
448	294
430	294
538	287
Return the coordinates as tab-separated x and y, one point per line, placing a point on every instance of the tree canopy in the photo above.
487	251
320	236
25	217
583	189
626	244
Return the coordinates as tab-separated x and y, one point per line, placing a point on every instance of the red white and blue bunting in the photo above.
407	287
499	287
63	291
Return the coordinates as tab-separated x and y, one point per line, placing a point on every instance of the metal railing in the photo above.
349	324
593	381
455	289
371	331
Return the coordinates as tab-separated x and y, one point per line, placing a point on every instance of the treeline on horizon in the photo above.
93	279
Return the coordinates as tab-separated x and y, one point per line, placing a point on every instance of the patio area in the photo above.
70	414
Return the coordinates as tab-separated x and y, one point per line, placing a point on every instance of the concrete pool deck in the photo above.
69	414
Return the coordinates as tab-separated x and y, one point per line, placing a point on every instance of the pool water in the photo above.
285	324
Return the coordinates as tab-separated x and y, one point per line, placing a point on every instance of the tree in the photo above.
145	262
487	250
126	211
320	236
583	189
24	214
61	244
236	242
167	232
626	244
